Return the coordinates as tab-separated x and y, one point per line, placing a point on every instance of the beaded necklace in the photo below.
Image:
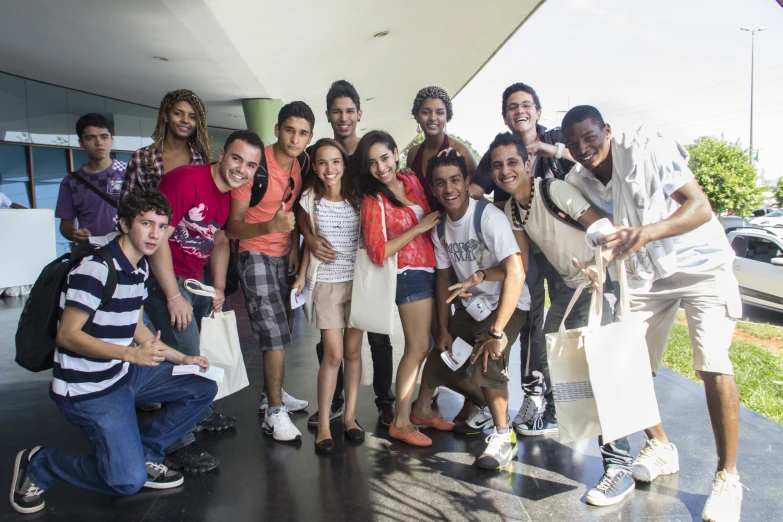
518	221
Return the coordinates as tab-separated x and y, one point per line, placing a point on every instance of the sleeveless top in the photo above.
418	168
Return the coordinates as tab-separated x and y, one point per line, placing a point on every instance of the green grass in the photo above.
755	368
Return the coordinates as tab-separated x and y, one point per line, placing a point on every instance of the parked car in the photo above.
761	212
758	266
771	219
733	222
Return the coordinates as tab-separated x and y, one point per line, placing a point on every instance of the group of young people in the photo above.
468	270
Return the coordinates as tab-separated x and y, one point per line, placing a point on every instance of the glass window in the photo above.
127	124
13	110
149	119
47	114
738	244
14	181
79	104
762	250
50	167
122	156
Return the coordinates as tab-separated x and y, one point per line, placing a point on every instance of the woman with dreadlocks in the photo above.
432	110
180	138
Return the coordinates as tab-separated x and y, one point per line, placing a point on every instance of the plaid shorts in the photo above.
265	285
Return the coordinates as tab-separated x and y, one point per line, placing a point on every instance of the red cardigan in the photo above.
418	252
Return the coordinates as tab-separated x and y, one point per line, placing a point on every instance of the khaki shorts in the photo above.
462	325
712	305
332	303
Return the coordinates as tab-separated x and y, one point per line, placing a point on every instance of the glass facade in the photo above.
39	145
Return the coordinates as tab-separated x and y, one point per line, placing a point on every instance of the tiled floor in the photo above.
381	479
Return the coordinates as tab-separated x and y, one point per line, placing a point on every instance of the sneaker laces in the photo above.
160	468
537	422
608	479
494	442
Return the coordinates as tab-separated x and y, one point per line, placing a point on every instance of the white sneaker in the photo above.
654	460
531	405
280	427
291	403
501	450
725	501
480	419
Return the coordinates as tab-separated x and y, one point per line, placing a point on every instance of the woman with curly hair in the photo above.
180	138
432	110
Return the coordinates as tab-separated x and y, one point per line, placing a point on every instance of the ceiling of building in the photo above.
228	50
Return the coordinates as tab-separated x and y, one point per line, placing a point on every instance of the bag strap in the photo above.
481	205
196	287
105	197
596	301
552	207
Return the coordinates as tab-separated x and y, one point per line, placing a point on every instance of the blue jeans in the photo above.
186	341
116	465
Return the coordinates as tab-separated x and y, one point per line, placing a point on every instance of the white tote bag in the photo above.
220	344
601	375
374	290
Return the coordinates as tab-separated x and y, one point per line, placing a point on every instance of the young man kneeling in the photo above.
487	255
98	377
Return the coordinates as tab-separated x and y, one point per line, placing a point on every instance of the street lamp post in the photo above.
752	76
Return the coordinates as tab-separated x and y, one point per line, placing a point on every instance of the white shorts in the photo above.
712	305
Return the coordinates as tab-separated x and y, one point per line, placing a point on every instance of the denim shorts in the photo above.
414	285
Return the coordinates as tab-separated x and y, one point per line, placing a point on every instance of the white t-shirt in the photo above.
465	253
418	211
699	250
559	242
5	201
338	223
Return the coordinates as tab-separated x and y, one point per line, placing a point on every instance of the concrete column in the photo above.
261	117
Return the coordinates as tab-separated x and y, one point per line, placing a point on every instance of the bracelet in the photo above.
560	149
173	297
497	337
484	273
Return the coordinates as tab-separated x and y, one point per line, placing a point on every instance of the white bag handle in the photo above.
201	288
596	301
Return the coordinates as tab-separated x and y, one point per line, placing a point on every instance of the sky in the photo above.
681	67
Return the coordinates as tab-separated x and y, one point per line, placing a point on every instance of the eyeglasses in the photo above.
289	191
524	105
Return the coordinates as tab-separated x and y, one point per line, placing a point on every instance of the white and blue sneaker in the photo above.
542	423
614	486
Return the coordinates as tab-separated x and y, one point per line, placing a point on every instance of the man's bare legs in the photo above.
423	408
497	400
723	405
274	367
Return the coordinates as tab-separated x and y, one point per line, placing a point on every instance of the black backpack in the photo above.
260	184
37	330
553	209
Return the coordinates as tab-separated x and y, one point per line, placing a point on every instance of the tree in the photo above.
726	175
420	138
779	192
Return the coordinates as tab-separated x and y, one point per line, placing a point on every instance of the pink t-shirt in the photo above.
279	244
198	211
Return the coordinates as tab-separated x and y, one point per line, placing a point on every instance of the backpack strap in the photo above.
105	197
441	229
260	181
557	212
111	280
481	205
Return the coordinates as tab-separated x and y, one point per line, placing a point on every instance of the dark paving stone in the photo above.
382	479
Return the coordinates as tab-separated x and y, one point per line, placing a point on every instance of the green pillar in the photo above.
261	117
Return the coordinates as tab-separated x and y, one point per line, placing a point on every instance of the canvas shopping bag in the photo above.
374	290
620	373
220	344
312	267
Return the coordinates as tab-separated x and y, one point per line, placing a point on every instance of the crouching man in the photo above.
98	378
476	244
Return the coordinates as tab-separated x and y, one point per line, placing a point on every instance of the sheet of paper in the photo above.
103	240
214	373
298	300
460	351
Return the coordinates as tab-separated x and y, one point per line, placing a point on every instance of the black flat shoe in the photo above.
355	434
325	446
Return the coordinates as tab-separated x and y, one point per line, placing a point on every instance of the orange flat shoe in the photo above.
415	438
439	423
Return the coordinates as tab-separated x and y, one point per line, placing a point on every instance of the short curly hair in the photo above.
433	92
141	201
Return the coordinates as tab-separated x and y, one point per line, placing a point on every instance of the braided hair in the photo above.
432	92
199	140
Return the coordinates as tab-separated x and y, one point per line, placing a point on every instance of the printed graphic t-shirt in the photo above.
337	222
75	201
465	253
198	211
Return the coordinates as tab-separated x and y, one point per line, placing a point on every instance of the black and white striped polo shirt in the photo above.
77	376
